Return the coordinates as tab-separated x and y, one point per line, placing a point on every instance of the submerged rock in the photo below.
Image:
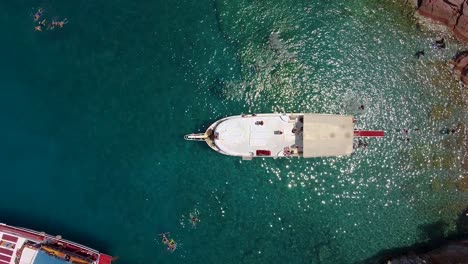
452	13
462	183
278	45
455	252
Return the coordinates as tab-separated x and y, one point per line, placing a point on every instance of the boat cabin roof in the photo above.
328	135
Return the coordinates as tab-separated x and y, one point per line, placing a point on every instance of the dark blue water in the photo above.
93	115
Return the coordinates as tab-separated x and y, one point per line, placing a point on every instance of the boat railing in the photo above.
51	248
196	137
369	133
25	232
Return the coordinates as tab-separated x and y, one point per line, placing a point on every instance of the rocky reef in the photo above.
278	45
455	252
452	13
441	246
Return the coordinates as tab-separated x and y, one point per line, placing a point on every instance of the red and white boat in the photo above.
283	135
23	246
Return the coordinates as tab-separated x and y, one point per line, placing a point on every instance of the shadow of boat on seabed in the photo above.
439	249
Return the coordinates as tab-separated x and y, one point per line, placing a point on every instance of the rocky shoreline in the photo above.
453	252
441	246
451	13
439	249
454	15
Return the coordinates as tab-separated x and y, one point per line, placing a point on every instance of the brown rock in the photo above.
460	29
460	66
453	252
452	13
464	75
459	62
444	11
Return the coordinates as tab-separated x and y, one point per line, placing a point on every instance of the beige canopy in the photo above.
327	135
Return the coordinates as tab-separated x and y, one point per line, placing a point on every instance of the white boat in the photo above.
24	246
283	135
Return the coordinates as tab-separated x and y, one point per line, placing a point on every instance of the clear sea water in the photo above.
93	117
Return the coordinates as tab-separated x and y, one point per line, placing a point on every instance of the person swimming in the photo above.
171	245
194	219
360	144
38	14
59	24
439	44
38	28
405	133
452	130
419	54
164	239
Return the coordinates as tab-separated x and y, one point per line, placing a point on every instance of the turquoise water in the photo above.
93	118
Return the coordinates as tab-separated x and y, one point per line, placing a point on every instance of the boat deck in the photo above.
260	135
9	246
24	246
275	135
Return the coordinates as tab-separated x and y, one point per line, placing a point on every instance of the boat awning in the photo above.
327	135
44	258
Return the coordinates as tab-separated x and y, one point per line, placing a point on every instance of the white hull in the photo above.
280	135
24	246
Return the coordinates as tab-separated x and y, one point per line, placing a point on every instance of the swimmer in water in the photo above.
452	130
52	25
360	144
164	239
38	28
419	54
194	219
172	245
60	24
439	44
406	133
38	14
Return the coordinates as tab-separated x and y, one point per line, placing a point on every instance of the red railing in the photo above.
369	133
